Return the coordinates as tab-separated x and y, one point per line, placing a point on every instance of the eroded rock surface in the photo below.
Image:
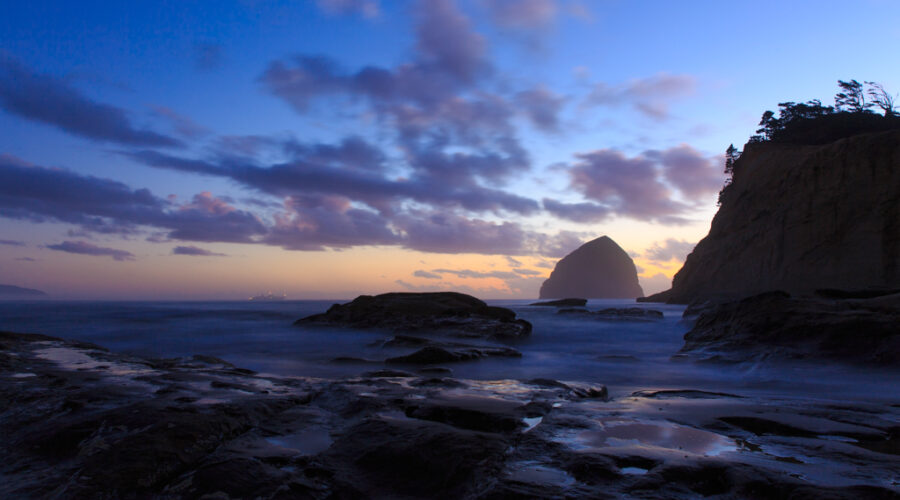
801	218
81	422
775	325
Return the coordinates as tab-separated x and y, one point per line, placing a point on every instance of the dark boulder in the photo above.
447	313
562	303
437	354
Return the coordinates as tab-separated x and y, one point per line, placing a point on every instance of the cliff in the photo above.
800	218
599	269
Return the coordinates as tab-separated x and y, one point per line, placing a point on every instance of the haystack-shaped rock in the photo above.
599	269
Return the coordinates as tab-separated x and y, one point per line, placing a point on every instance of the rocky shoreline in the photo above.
83	422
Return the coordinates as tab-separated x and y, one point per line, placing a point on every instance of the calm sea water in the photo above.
625	356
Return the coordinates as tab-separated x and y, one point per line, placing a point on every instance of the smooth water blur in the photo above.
625	356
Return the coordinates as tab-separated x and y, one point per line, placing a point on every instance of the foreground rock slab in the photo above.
774	325
81	422
439	313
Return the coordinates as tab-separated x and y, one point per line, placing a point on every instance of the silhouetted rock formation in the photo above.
800	218
774	325
599	269
443	313
562	303
10	291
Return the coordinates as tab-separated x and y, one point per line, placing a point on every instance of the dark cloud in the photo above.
427	275
650	96
669	250
522	14
85	248
100	205
192	250
693	173
445	233
315	222
559	245
542	107
208	56
12	243
638	187
366	8
46	99
578	212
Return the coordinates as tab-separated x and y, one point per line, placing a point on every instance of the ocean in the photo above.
624	356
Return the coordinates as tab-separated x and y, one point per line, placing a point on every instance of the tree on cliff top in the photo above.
852	98
881	98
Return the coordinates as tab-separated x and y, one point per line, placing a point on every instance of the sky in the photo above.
328	148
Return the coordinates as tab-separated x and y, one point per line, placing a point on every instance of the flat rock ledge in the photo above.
439	313
81	422
775	325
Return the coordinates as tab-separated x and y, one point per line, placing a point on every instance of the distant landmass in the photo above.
10	291
599	269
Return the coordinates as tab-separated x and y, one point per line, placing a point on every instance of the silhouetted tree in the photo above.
852	98
731	154
881	98
769	125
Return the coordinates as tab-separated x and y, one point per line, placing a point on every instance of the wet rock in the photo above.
435	370
388	374
775	325
447	313
683	393
617	314
447	354
389	457
562	303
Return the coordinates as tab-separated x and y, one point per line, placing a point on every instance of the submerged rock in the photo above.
775	325
443	313
617	314
437	354
562	303
599	269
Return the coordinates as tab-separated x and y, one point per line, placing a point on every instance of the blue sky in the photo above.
381	140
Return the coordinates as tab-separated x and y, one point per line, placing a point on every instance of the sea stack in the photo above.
599	269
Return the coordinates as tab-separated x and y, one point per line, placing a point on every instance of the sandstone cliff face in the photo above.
599	269
801	218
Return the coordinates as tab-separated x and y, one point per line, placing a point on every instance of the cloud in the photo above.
46	99
25	259
513	262
650	96
527	272
84	248
12	243
183	125
693	173
542	107
366	8
639	187
192	250
522	14
207	56
669	250
427	275
445	233
100	205
472	274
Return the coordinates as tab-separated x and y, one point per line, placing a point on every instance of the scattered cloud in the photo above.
12	243
542	106
513	262
650	96
183	125
52	101
208	56
427	275
522	14
365	8
25	259
85	248
671	249
192	250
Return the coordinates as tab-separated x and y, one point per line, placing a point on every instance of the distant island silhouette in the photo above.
11	291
